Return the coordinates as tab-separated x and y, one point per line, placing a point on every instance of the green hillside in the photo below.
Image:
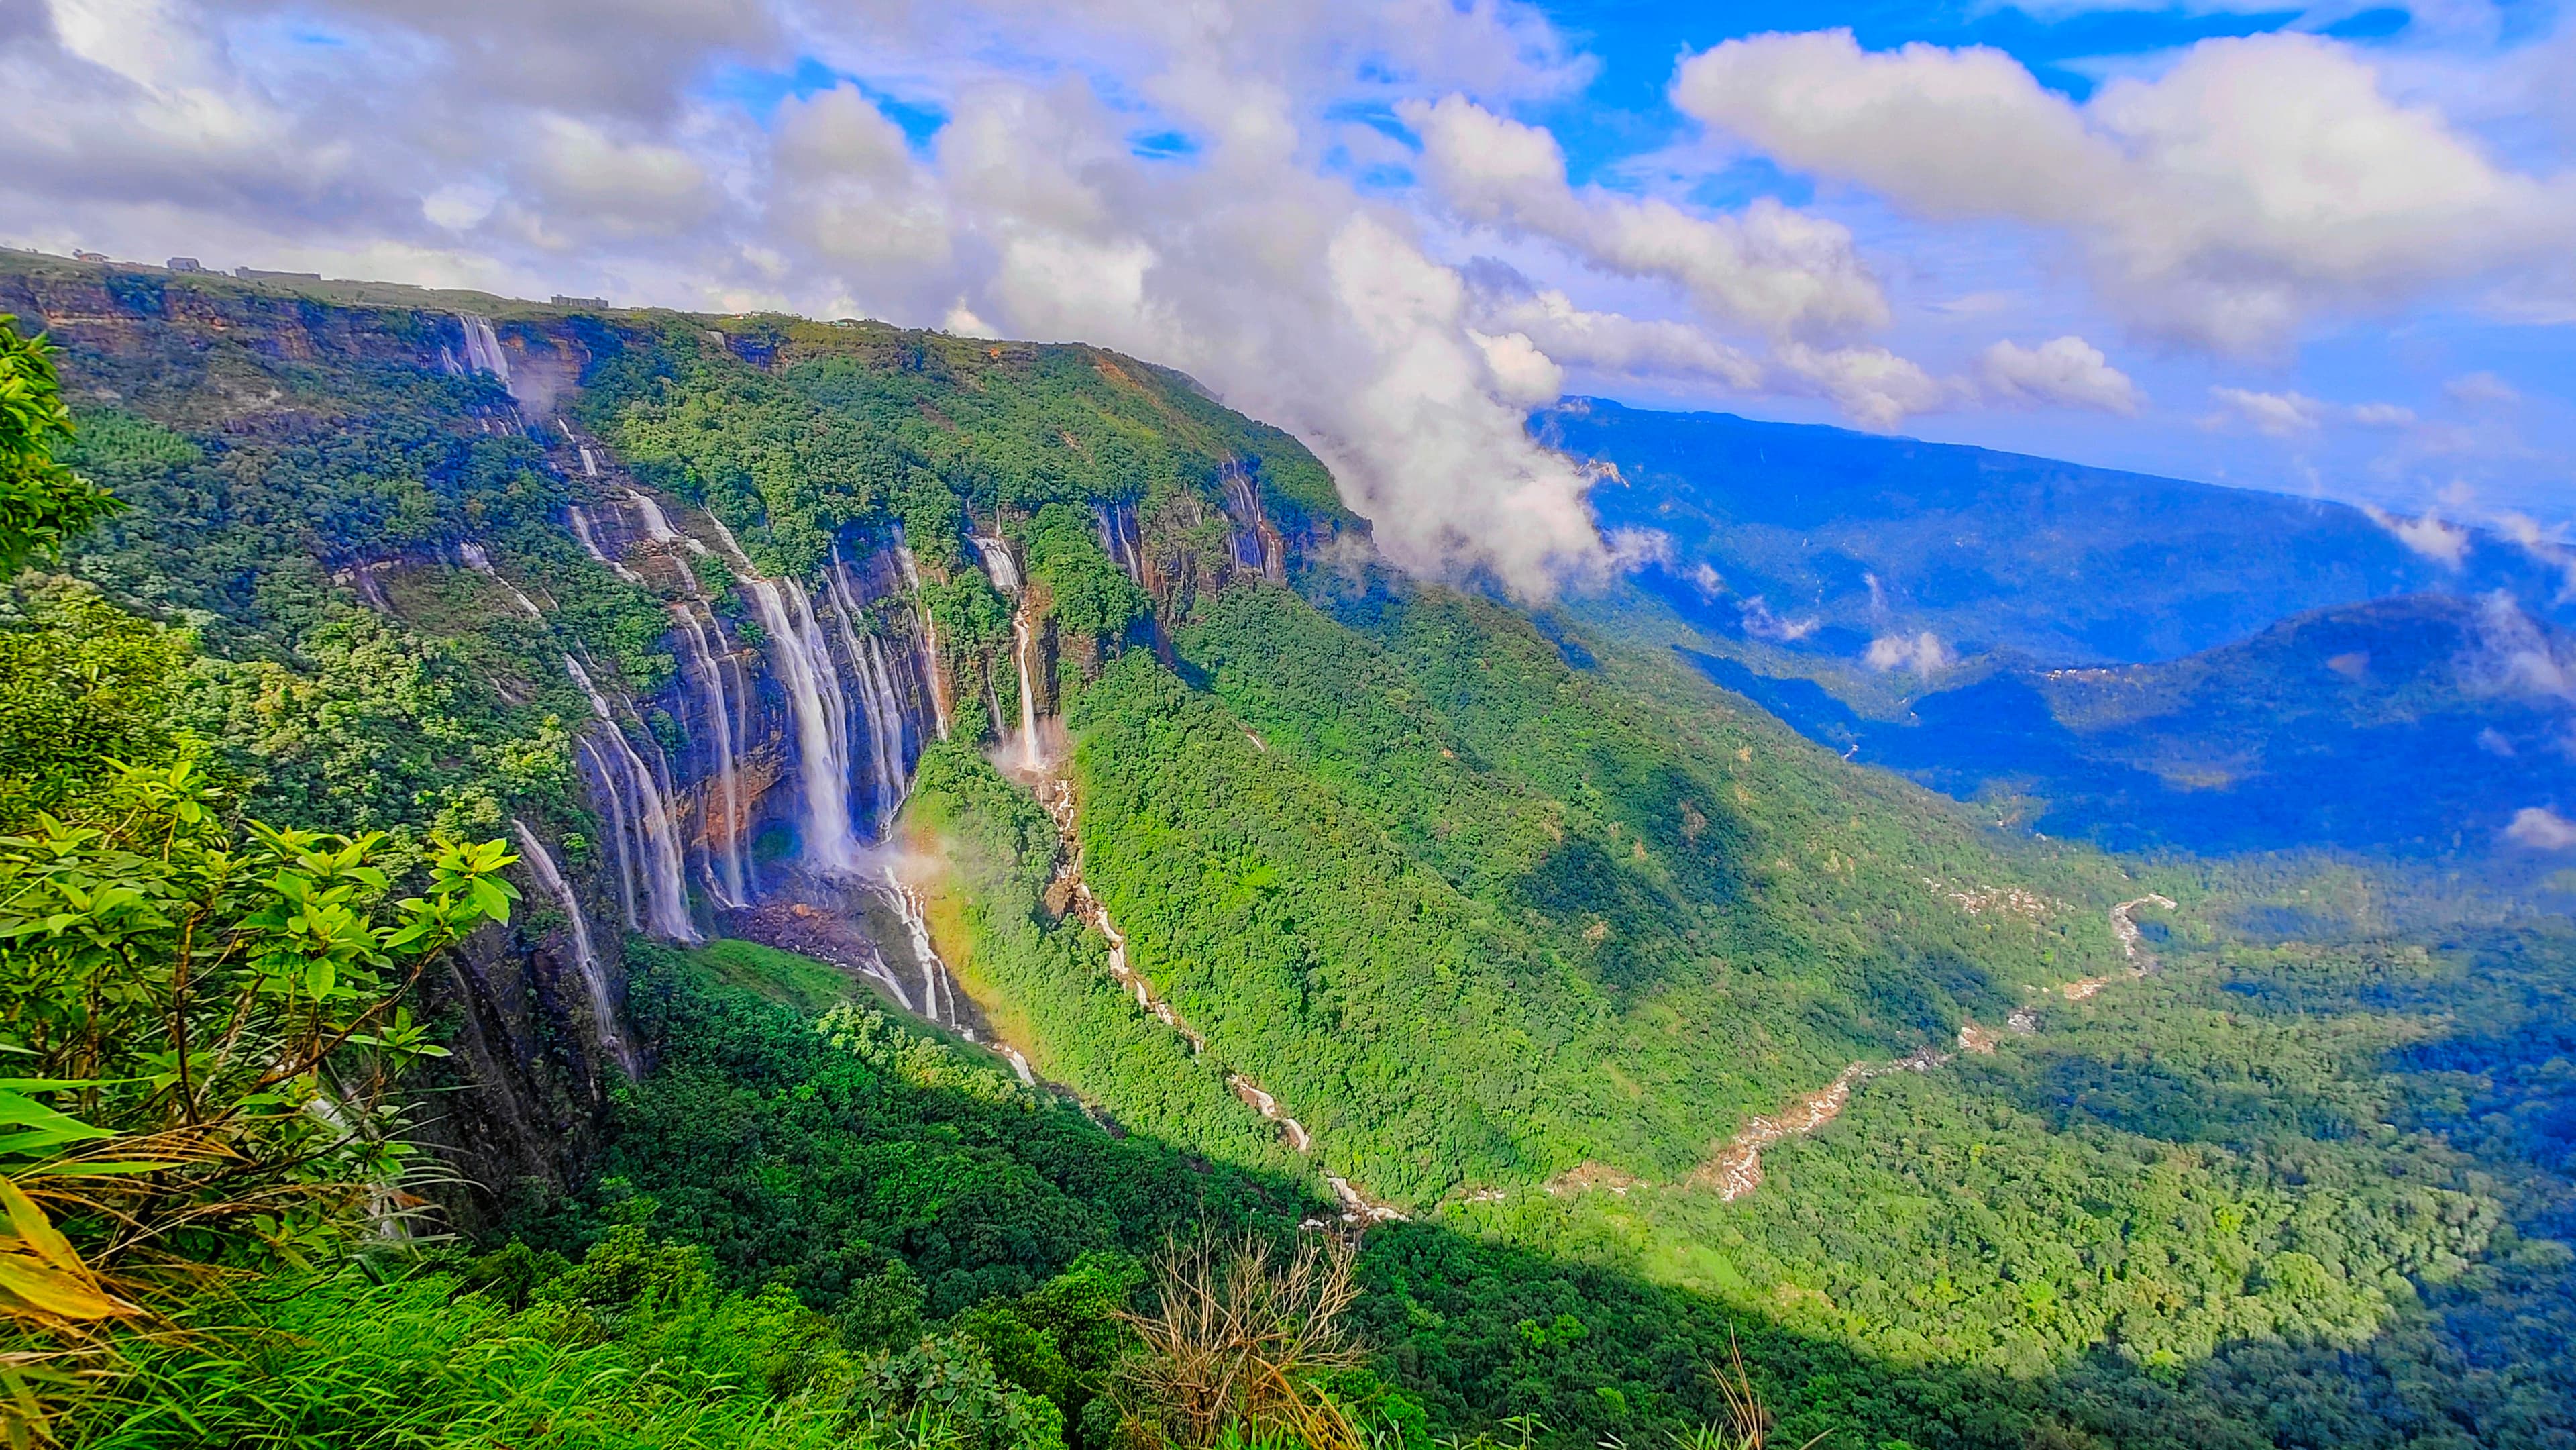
1615	1026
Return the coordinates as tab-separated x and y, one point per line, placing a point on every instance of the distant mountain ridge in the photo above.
1821	543
2419	725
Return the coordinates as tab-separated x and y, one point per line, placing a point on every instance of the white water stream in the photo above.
585	954
666	892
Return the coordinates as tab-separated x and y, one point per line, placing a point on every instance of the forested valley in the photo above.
577	878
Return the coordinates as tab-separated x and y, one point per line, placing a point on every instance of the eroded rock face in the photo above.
514	1112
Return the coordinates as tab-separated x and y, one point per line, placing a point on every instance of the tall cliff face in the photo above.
701	660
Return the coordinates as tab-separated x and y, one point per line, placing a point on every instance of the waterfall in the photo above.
885	727
483	349
657	527
666	891
998	563
1256	543
585	956
933	676
820	715
480	562
619	833
878	704
1115	527
1023	644
581	530
729	874
935	981
589	461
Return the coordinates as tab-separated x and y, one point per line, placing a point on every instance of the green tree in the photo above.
42	503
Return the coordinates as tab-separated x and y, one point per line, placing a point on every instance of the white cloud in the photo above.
1923	653
1521	373
2446	544
1877	388
581	171
2275	415
2067	371
2296	415
1629	346
845	185
1760	622
2254	185
2542	829
2516	657
1632	549
1769	268
2481	390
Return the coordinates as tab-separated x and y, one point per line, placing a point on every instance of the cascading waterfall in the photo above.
585	955
820	716
582	530
1117	539
884	726
595	768
730	872
998	563
480	561
936	680
1005	572
1024	644
657	527
666	892
935	982
483	348
1257	544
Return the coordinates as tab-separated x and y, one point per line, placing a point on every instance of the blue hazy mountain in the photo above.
1820	540
2420	725
2145	662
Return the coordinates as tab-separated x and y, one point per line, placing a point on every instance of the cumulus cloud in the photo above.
1768	267
1609	342
1632	549
1759	621
2541	829
2066	371
1924	654
1876	387
847	188
2256	184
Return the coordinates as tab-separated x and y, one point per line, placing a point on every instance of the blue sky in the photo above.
2405	355
2317	250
